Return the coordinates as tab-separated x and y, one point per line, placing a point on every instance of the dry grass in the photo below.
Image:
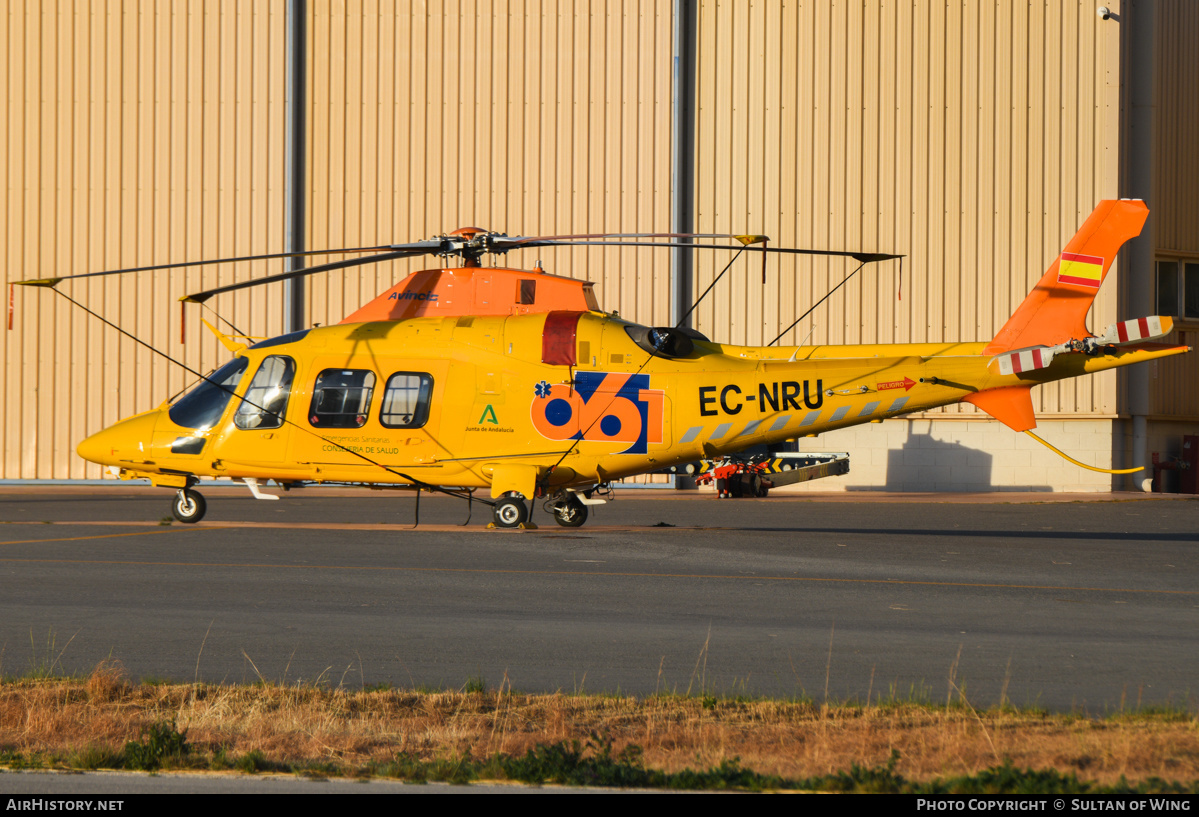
55	718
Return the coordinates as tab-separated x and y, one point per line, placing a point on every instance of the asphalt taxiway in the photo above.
1059	601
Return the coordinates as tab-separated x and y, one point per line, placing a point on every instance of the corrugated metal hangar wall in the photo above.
971	137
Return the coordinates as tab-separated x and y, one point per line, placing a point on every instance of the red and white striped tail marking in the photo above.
1025	360
1155	326
1039	357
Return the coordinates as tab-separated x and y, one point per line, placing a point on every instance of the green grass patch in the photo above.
162	744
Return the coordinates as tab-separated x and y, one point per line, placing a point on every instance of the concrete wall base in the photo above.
969	455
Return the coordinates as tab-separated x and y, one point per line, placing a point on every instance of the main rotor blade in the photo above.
201	297
426	246
522	240
863	257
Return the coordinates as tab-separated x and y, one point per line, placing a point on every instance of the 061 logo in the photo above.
605	407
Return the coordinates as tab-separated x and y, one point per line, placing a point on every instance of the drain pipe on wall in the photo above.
682	153
294	313
1138	267
1140	452
682	160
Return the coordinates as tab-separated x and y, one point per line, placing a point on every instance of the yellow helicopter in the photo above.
516	381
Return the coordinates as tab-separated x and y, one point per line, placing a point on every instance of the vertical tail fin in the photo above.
1056	310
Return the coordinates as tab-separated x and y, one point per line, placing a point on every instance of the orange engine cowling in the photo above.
479	291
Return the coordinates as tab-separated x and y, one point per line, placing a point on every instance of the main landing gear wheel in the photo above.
511	512
189	506
570	512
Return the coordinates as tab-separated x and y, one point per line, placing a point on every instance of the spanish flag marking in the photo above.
1080	270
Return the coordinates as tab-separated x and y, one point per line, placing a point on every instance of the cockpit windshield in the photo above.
203	406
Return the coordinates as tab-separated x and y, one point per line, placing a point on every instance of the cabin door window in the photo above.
265	402
406	400
341	398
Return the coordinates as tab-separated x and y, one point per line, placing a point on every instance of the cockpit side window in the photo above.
406	400
265	402
203	406
341	398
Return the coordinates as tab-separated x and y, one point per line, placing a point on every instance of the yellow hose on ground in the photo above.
1084	465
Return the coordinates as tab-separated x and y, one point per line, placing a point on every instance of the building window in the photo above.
265	402
341	398
1178	288
406	400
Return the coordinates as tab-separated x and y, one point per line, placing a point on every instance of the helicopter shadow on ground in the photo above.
924	463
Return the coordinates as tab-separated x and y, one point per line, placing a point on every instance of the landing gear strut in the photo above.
189	506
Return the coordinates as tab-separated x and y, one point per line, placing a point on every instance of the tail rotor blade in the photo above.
1137	330
1024	360
1118	334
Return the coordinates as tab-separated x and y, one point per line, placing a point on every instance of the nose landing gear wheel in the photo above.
511	512
570	513
189	506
